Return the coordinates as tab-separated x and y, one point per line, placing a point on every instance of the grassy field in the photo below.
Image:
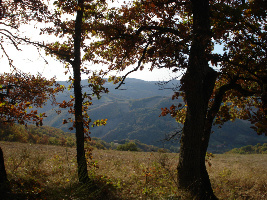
49	172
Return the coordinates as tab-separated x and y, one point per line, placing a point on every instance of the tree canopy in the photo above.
176	34
159	34
21	94
181	35
70	20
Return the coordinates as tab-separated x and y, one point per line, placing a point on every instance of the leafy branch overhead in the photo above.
159	34
179	35
216	87
243	67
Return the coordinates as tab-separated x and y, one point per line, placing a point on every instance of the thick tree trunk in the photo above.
197	85
3	176
264	95
81	160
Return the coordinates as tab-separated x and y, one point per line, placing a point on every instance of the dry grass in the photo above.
236	176
49	172
36	169
140	175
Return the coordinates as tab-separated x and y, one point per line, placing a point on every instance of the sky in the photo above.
30	60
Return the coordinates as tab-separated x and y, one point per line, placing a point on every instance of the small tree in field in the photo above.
130	146
74	33
70	21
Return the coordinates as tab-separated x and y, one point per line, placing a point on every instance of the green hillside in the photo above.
53	136
133	113
36	135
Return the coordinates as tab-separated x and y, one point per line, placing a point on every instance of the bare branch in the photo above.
64	57
10	61
10	37
138	65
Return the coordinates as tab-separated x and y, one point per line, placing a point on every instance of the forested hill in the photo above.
133	113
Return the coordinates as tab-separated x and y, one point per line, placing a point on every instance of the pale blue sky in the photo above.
29	60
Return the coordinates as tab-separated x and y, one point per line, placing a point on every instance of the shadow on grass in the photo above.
31	189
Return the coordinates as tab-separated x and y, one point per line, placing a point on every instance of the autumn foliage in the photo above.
21	95
176	34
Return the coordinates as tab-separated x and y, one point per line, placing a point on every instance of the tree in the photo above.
243	68
11	19
130	146
74	34
3	176
181	34
20	92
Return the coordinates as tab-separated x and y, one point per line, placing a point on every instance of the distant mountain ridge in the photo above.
133	113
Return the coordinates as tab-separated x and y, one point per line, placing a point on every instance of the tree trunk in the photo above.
264	95
81	160
3	176
197	85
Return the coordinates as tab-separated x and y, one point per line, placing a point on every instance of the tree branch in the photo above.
157	28
138	65
219	97
64	57
10	61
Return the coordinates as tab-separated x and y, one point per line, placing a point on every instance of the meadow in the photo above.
49	172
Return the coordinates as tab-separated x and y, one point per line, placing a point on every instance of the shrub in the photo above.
131	146
257	149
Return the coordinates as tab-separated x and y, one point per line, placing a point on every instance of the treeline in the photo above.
124	145
36	135
54	136
134	145
249	149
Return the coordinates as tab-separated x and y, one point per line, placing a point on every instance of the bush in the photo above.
257	149
131	146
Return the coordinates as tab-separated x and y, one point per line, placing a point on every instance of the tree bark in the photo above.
3	176
264	95
197	83
81	160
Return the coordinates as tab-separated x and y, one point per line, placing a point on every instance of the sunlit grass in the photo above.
236	176
49	172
